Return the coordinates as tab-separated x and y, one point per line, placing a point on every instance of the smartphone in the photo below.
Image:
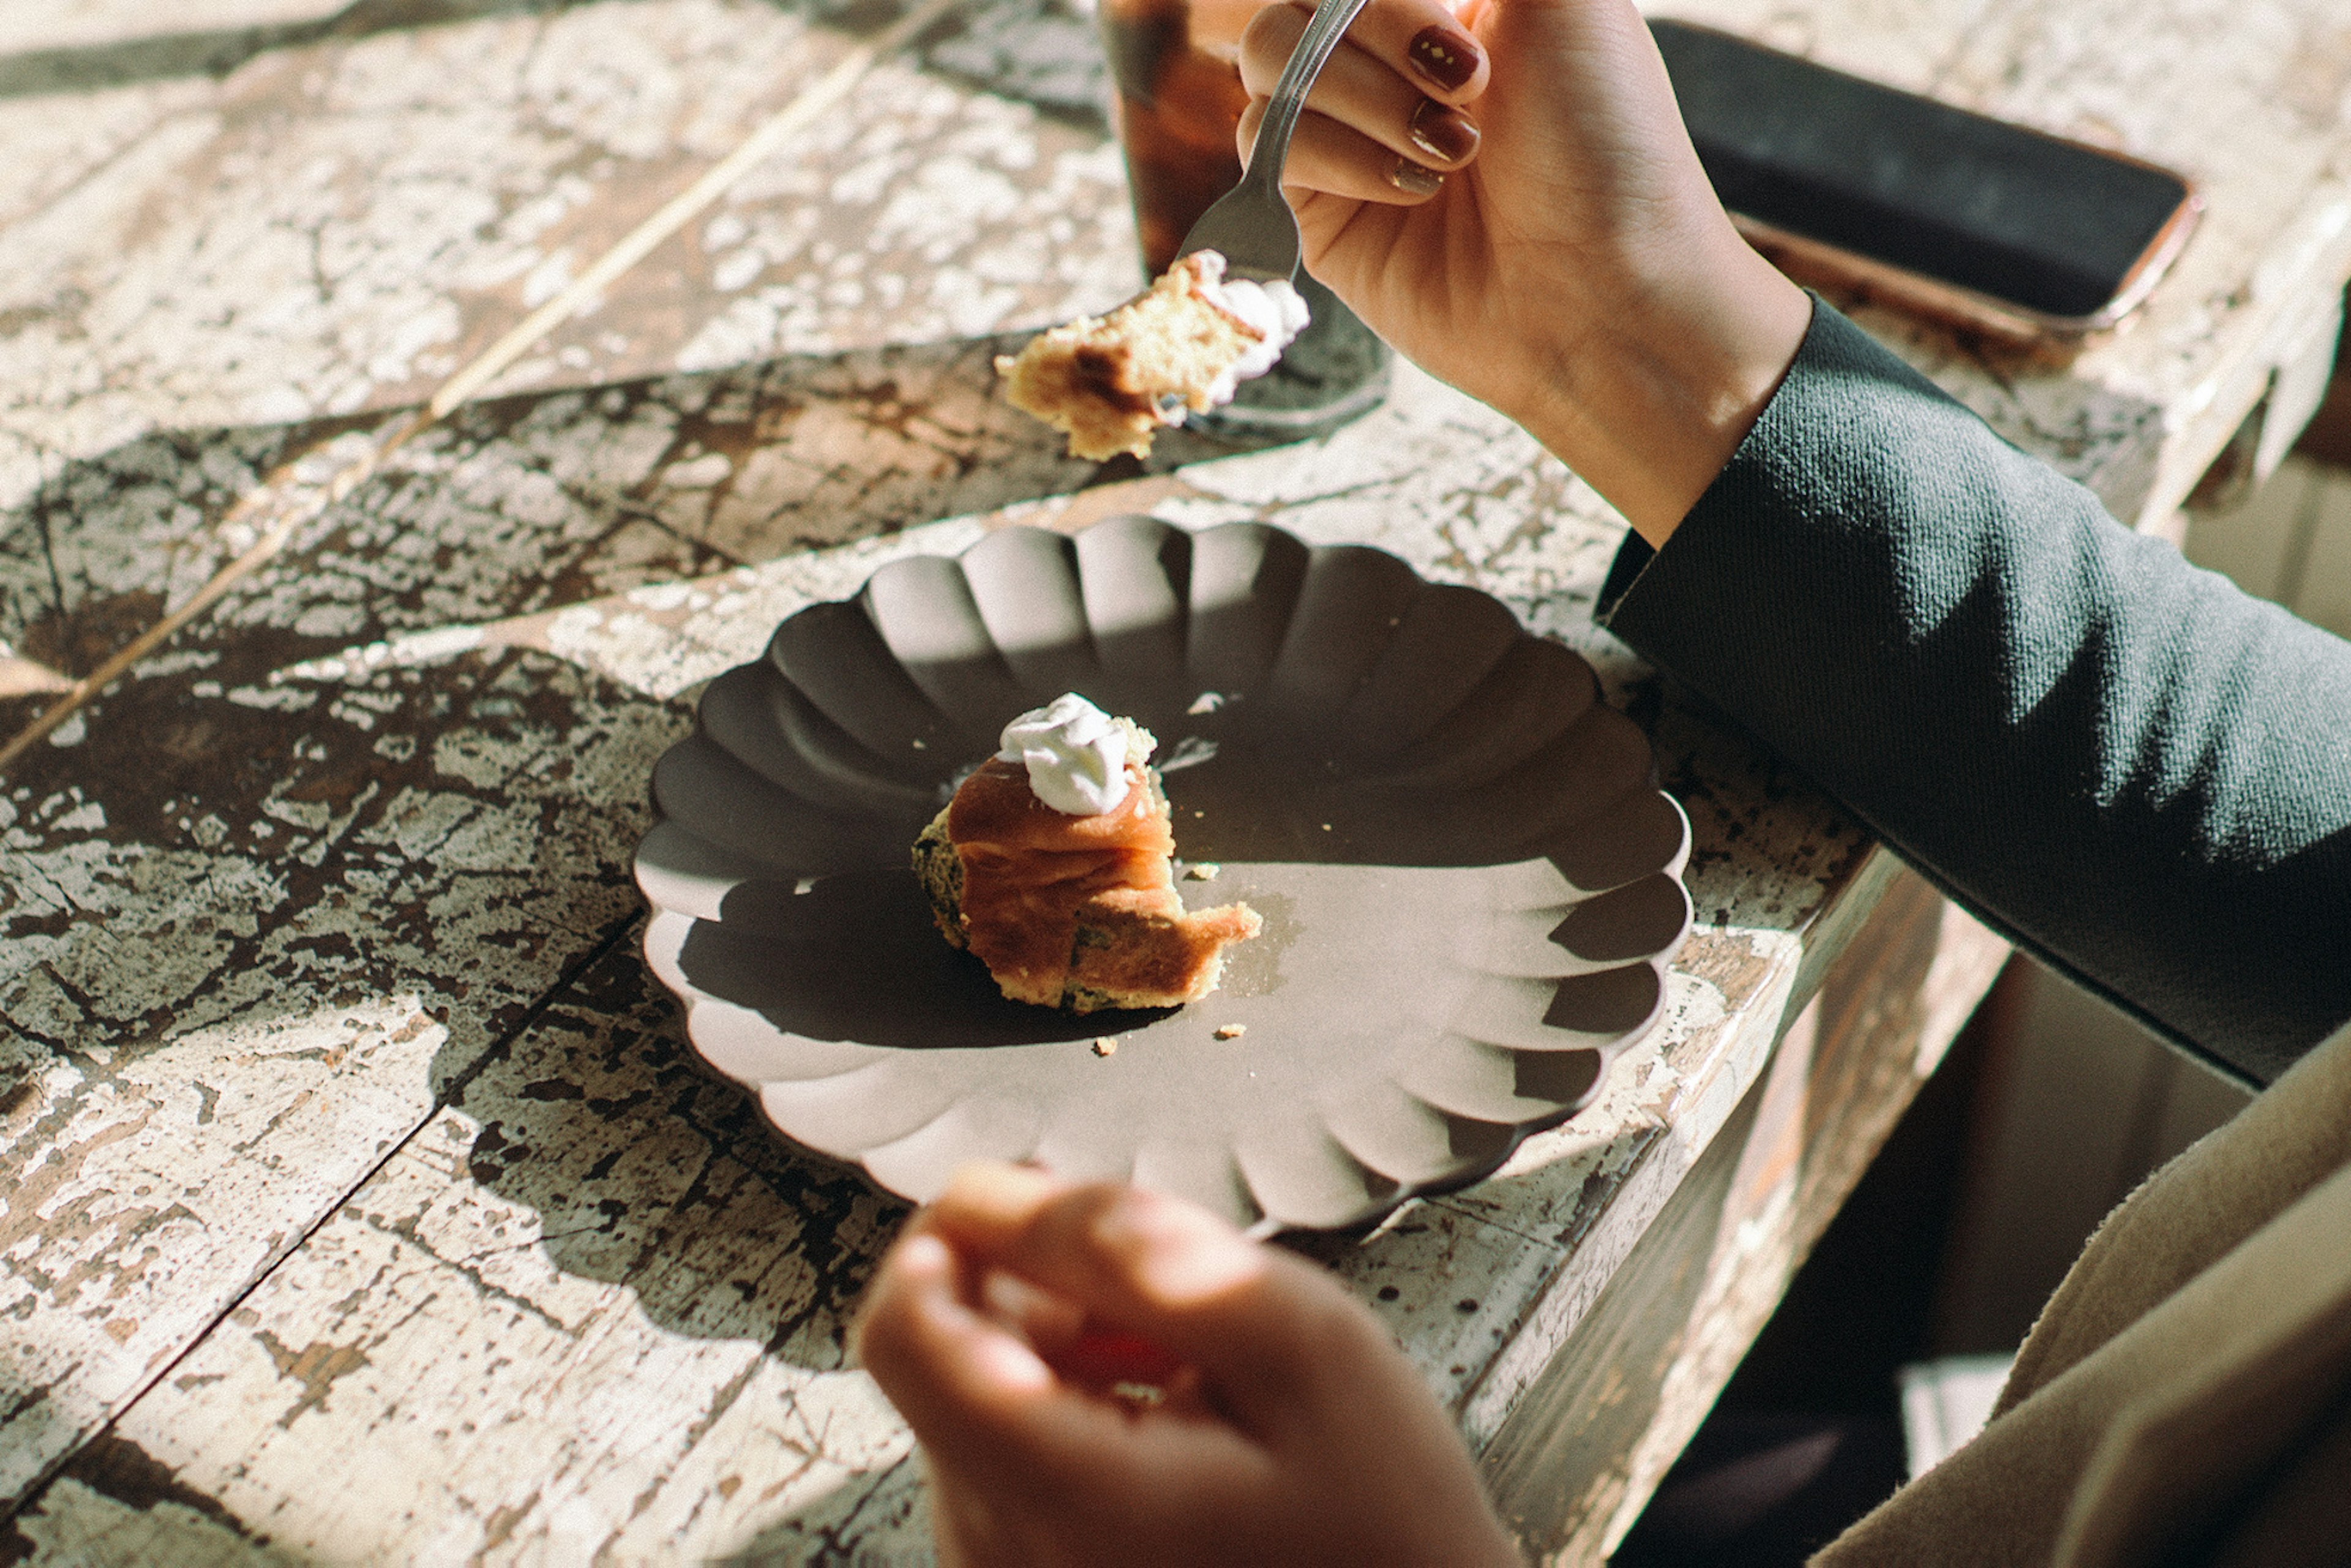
1843	181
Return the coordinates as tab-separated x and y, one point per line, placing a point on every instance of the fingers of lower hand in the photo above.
1043	1319
1097	1246
917	1331
986	1202
1250	1332
1263	1329
1329	157
976	1392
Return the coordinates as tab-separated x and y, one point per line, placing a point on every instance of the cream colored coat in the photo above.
2186	1397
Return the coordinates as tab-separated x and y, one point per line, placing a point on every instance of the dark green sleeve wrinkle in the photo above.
2135	770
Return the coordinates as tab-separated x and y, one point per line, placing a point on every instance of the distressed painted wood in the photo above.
356	1201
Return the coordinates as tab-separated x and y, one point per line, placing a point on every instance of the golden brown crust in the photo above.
940	870
1100	379
1136	951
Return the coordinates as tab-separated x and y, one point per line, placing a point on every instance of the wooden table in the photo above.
359	1202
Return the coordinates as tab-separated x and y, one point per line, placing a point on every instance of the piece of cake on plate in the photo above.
1053	864
1112	383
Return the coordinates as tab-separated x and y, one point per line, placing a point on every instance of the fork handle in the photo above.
1323	31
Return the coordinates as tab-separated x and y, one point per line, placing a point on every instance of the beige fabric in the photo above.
2182	1394
2187	1215
2245	1360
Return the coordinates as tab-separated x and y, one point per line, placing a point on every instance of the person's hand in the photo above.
1015	1321
1510	199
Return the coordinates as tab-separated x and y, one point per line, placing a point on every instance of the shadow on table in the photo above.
644	1170
527	503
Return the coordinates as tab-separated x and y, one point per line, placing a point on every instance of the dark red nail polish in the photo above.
1447	58
1445	134
1414	181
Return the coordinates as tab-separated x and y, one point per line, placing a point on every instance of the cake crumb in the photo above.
1202	871
1105	1045
1232	1030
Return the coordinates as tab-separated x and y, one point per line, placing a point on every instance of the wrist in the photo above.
1647	402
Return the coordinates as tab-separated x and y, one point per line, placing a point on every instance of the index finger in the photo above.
1422	40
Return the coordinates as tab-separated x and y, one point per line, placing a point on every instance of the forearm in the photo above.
2138	771
1647	400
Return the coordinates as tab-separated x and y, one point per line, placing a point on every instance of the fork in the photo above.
1251	225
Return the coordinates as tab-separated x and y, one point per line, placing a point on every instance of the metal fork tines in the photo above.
1251	225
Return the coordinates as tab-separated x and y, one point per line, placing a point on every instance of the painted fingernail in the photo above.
1445	56
1444	133
1414	181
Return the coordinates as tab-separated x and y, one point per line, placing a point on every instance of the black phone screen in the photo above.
1973	200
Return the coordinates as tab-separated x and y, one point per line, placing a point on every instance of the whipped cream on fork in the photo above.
1273	310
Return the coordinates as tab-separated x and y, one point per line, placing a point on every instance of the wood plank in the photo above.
339	220
225	996
1590	1440
589	1293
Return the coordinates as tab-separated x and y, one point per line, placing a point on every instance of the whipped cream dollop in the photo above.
1274	310
1075	753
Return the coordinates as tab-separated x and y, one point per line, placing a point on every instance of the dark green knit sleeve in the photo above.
2136	771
